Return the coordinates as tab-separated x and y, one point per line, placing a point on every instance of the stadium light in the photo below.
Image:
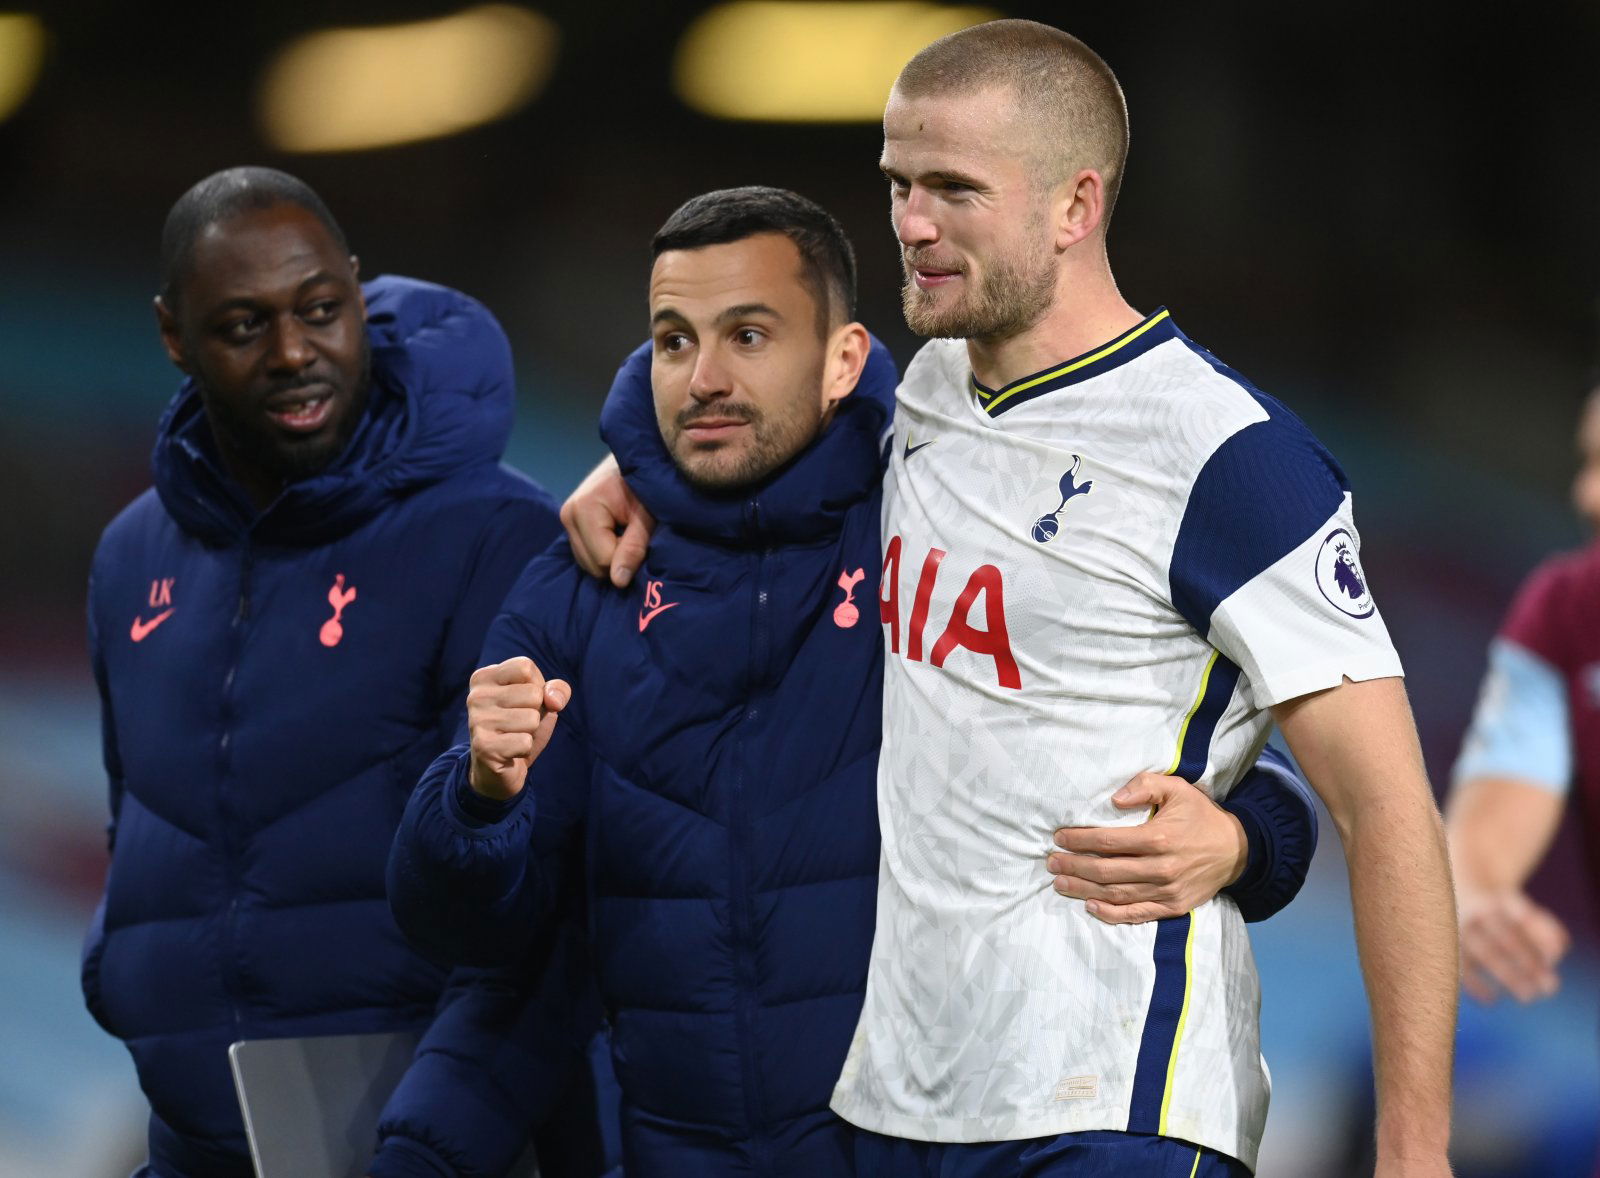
21	56
356	88
808	61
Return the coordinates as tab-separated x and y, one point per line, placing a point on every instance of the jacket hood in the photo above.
441	398
805	499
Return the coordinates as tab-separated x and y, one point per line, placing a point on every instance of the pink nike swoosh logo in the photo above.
646	618
141	629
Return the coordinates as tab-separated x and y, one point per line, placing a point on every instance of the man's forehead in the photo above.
966	116
764	268
263	249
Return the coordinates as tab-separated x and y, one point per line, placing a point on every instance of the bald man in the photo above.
1145	562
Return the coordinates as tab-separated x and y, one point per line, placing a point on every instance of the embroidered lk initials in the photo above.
338	597
161	600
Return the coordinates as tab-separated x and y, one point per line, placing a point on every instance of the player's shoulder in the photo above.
1566	583
137	524
1575	568
1554	613
486	505
489	487
555	601
1241	435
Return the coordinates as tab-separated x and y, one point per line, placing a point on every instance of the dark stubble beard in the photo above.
774	440
1012	297
249	443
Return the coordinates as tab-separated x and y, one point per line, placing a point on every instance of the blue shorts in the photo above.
1099	1154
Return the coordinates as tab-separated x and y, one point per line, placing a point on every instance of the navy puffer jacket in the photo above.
272	686
719	761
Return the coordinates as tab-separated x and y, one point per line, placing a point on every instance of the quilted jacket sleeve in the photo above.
498	889
1274	805
471	881
514	1053
517	531
93	943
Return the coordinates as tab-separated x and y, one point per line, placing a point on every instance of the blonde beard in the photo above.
1008	302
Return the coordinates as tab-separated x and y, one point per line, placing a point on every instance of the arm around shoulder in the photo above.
1275	808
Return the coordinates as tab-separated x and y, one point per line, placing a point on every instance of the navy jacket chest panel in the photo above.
273	679
752	679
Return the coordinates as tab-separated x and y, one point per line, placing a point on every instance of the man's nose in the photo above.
916	226
710	377
291	348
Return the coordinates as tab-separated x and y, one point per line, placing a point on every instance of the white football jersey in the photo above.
1113	566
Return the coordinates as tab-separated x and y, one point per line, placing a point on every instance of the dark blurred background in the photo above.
1385	215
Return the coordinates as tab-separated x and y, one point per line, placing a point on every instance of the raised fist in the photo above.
511	712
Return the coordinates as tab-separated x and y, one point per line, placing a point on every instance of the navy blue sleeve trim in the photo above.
1274	805
1259	496
461	892
471	809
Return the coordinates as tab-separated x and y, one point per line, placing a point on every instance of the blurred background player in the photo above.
282	631
1535	738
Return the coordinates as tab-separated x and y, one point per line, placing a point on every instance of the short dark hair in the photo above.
827	260
221	196
1070	100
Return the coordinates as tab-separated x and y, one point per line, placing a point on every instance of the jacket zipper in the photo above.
226	815
742	905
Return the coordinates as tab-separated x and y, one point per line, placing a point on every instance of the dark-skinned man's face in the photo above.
271	324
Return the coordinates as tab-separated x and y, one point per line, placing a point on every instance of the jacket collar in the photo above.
441	398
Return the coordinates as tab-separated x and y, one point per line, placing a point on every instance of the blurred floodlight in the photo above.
21	55
807	61
355	88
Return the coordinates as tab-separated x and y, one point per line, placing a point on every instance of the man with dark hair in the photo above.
222	196
282	631
827	259
718	734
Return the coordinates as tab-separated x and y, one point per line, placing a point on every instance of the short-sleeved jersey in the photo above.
1538	715
1114	566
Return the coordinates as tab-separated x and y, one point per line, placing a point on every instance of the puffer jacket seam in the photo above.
384	763
774	889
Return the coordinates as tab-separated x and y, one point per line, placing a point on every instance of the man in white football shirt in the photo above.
1105	553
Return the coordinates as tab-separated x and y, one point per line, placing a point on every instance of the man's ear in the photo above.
171	337
848	348
361	295
1080	207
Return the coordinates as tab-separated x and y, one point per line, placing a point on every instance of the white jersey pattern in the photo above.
1111	567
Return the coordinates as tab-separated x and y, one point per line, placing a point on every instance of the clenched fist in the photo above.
511	712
